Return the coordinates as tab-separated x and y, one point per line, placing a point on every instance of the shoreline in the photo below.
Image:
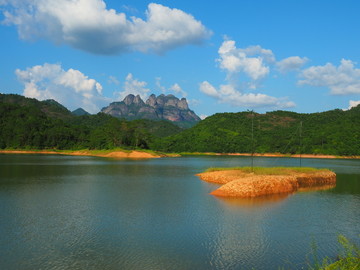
320	156
136	154
133	154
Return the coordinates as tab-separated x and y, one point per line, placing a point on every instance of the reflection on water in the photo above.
347	184
60	212
316	188
268	200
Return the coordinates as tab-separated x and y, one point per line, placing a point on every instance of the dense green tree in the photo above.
28	123
335	132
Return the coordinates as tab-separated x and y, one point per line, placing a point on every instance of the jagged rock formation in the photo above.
155	108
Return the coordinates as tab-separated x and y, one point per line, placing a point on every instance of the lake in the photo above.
76	212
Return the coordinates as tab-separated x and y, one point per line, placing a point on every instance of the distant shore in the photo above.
136	154
298	156
101	153
272	155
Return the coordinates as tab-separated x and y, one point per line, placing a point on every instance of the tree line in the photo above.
31	124
335	132
28	127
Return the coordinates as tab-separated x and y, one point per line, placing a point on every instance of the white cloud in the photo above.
228	94
71	88
292	63
135	87
235	60
194	102
175	88
114	80
203	116
254	61
353	103
342	80
90	26
209	90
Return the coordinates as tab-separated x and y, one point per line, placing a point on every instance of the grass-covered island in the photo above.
247	182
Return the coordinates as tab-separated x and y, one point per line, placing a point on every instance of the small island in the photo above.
247	182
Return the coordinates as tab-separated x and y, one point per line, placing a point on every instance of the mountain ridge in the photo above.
160	107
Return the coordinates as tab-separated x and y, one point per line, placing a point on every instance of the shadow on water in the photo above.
273	199
347	184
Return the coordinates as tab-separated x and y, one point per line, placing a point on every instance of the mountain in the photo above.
80	112
335	132
155	108
26	123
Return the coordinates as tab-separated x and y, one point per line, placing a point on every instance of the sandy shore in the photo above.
110	154
140	154
236	183
271	155
291	156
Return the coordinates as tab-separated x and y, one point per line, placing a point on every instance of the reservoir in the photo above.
78	212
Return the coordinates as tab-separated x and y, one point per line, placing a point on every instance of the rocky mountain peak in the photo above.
138	101
151	100
129	99
162	107
183	104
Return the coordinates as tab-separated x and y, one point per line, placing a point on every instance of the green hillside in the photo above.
335	132
50	107
31	124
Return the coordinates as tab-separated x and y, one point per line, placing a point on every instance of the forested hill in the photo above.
50	107
27	123
335	132
31	124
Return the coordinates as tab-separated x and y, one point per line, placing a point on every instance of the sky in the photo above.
222	56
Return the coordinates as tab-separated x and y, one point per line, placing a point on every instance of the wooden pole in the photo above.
300	142
252	142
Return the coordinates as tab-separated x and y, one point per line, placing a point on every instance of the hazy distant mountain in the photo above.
80	112
155	108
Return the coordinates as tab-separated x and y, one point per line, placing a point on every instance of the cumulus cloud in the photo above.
292	63
353	103
252	60
229	95
209	90
175	88
113	80
342	80
90	26
135	87
71	88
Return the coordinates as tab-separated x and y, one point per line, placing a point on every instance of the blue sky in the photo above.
223	56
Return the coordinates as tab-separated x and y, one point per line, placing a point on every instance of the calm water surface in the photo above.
67	212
